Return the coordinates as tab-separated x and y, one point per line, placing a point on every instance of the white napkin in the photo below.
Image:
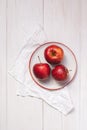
59	99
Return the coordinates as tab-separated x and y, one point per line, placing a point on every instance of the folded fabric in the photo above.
59	99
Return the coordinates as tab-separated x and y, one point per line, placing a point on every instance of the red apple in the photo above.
60	72
53	54
41	71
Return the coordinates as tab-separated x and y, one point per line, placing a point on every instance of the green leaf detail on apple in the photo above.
53	54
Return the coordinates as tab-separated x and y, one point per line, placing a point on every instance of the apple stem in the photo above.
70	70
39	59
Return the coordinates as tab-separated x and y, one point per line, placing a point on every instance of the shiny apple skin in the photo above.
60	73
53	54
41	71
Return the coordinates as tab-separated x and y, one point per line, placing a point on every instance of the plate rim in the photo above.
43	45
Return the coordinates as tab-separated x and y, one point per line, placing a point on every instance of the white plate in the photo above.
69	61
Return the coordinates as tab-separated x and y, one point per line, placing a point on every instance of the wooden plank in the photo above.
72	37
23	113
83	89
54	28
3	65
62	23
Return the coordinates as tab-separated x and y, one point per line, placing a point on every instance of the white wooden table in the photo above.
64	21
